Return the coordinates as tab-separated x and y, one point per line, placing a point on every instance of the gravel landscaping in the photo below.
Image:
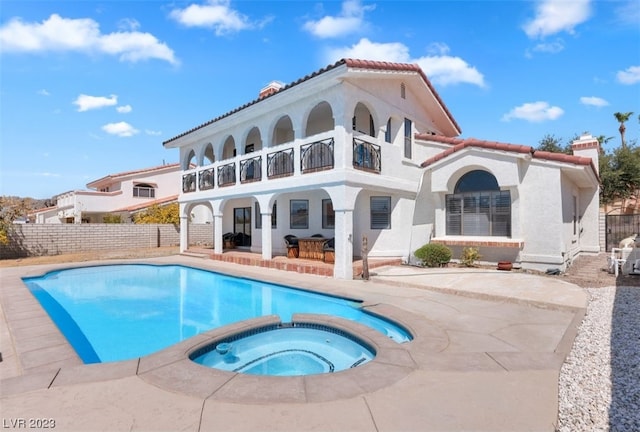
599	386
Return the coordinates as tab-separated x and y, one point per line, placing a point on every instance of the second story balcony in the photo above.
282	161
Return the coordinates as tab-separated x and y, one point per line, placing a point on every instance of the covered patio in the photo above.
281	262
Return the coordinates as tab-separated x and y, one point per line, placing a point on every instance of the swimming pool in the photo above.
119	312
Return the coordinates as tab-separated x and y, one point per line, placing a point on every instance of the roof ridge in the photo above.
348	62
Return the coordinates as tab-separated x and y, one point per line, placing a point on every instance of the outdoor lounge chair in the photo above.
329	249
293	249
228	241
317	235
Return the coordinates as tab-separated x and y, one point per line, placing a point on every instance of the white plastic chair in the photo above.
618	258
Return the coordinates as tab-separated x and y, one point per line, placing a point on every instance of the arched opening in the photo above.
283	131
253	141
478	207
320	119
209	156
363	120
392	130
189	161
229	148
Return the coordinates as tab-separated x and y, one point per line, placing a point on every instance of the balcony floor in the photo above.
281	262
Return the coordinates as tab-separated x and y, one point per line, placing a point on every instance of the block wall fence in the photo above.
48	239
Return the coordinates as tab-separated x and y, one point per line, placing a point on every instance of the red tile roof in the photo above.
128	173
146	204
462	143
350	63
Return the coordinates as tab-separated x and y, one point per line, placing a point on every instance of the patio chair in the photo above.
617	259
293	249
317	236
329	249
228	241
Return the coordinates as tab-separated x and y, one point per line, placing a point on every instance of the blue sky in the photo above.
90	88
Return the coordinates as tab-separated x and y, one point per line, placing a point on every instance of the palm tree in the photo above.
622	117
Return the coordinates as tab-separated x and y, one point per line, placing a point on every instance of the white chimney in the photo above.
271	88
587	146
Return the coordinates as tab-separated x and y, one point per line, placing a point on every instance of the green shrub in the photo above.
112	219
469	256
433	254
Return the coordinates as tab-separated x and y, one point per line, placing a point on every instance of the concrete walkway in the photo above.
486	356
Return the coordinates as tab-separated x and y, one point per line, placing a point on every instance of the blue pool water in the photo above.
120	312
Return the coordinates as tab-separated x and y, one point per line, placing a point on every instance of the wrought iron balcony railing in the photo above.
366	156
205	179
317	156
280	163
189	182
251	169
227	174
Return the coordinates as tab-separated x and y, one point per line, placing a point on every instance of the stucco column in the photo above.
184	227
217	233
343	267
184	233
267	253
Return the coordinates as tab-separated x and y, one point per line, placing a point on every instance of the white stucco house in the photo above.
368	149
121	194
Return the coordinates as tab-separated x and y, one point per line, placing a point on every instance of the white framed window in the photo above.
328	215
143	190
408	128
299	214
380	212
478	207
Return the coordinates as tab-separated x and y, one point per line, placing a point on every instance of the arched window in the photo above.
478	207
144	190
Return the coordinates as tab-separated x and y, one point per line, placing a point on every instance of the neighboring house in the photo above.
121	194
368	149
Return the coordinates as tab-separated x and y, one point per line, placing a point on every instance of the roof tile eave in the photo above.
348	62
459	144
127	173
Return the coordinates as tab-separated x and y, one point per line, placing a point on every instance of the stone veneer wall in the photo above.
54	239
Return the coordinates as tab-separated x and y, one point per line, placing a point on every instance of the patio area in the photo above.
281	262
486	357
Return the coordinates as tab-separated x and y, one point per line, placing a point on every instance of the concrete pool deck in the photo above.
487	355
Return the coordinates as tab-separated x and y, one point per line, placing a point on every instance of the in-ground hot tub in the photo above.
290	349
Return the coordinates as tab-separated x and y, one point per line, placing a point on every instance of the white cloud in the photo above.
628	12
44	92
593	101
555	16
631	75
550	47
216	14
81	35
152	132
534	112
121	129
440	69
446	70
365	49
128	24
86	102
124	109
349	20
